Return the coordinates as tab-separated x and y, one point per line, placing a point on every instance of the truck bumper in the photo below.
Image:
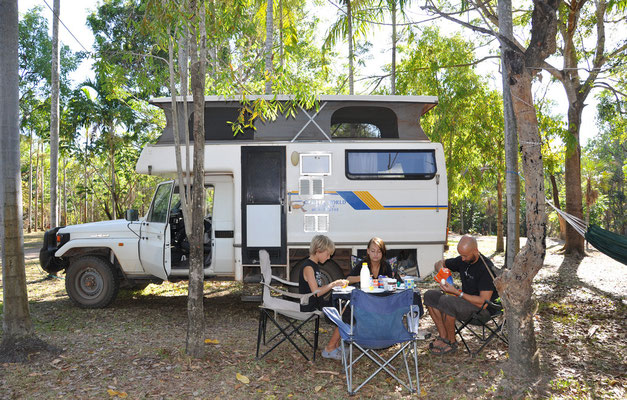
47	260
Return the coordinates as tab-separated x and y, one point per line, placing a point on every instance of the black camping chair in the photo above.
484	327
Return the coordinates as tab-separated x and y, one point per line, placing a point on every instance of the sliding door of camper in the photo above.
263	199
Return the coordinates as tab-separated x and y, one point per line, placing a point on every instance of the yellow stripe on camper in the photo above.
369	200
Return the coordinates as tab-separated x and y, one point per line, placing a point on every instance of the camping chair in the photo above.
377	324
284	314
484	328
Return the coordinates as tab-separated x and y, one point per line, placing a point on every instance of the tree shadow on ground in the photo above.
569	314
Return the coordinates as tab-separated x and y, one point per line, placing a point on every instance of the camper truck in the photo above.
352	168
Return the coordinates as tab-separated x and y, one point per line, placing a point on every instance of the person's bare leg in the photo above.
334	342
438	319
449	326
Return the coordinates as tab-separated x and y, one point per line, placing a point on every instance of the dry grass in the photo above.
135	348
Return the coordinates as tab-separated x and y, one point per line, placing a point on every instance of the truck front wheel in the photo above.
91	282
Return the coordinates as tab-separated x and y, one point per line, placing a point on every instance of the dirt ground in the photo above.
135	348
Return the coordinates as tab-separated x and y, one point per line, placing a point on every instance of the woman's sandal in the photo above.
452	348
441	339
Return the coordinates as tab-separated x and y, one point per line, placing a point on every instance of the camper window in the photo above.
364	122
390	164
217	126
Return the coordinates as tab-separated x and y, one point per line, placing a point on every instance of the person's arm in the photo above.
478	301
308	274
353	276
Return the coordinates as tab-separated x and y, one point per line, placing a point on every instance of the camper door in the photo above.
154	236
263	201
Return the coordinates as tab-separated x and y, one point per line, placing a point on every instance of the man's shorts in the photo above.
454	306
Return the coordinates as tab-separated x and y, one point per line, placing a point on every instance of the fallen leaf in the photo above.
322	330
423	392
317	388
212	341
242	378
114	393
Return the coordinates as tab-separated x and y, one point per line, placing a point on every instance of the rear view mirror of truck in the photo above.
131	215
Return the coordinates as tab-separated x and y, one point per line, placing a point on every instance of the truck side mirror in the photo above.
132	215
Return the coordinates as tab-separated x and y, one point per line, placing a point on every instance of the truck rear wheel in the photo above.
91	282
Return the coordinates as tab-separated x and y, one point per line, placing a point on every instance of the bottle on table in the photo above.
364	277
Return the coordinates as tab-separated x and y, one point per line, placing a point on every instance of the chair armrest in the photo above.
285	282
303	298
492	307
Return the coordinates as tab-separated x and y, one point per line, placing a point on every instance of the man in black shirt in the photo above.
450	304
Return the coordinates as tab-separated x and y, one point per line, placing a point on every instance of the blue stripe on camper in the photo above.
352	199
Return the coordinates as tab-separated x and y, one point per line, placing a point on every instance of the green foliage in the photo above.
606	164
468	120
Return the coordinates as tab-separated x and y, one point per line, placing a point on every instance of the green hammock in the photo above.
609	243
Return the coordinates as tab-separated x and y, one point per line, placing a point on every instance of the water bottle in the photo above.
364	277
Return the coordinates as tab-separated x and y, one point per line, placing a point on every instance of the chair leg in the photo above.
288	333
316	331
260	329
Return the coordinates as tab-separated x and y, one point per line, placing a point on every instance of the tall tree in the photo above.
577	20
522	64
394	7
16	321
54	116
512	182
18	338
349	28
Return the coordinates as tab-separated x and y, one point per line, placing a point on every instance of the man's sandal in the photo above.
452	348
441	339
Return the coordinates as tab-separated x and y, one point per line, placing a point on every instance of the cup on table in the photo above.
390	284
410	282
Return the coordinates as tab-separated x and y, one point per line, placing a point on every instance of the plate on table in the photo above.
341	289
375	290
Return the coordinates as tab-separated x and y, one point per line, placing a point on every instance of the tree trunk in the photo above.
556	202
514	285
85	174
36	220
351	55
499	214
393	67
195	309
54	117
113	189
268	49
30	181
64	193
572	174
43	189
16	322
461	217
281	60
512	183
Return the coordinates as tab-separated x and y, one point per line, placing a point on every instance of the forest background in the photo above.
106	119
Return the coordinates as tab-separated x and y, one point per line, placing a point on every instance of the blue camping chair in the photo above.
377	324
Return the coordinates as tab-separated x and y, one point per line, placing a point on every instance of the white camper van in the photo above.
358	167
